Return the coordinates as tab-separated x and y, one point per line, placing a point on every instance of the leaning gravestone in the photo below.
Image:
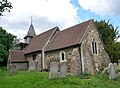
53	70
12	69
63	70
111	70
105	70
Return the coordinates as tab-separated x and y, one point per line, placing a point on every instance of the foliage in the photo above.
109	35
5	5
6	40
27	79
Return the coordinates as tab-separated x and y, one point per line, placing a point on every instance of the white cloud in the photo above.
45	13
102	7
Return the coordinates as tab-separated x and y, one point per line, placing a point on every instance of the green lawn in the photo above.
27	79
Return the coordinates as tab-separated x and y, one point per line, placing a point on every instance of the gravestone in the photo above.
63	70
111	71
32	65
39	65
53	70
75	64
12	69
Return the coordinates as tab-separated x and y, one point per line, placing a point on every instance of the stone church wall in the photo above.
21	66
93	61
37	59
30	56
54	56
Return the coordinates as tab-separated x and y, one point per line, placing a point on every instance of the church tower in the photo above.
30	34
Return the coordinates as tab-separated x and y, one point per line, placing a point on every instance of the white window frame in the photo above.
61	56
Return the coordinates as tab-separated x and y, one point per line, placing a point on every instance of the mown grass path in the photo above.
25	79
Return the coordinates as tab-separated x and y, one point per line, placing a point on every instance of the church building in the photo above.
79	46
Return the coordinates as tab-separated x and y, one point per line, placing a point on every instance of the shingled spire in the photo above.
30	34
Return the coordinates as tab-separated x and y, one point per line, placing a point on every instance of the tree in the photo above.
109	35
6	43
5	5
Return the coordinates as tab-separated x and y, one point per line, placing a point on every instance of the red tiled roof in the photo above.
68	37
39	41
17	56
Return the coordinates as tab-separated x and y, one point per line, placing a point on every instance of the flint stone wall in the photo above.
30	56
21	65
38	59
101	59
54	56
75	68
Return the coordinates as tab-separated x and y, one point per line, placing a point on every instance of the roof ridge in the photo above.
50	37
40	41
56	34
47	31
69	36
76	25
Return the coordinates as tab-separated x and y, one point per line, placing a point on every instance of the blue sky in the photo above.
88	14
63	13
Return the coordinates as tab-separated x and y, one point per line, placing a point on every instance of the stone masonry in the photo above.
38	59
21	66
101	58
54	56
75	63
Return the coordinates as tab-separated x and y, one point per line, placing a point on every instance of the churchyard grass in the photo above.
26	79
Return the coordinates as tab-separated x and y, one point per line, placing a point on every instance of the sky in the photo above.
47	14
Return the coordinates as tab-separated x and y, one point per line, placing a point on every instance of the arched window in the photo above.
94	47
62	56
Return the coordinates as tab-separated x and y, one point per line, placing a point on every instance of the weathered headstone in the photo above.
32	65
53	70
12	69
63	70
39	66
111	71
75	64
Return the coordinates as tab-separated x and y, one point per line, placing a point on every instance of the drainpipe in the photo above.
43	56
83	68
43	50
